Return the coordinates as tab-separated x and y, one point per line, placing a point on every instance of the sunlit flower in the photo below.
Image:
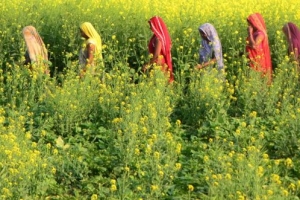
94	197
154	187
113	188
53	170
190	188
178	166
138	188
288	162
292	187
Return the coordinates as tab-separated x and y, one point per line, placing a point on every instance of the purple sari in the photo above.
293	35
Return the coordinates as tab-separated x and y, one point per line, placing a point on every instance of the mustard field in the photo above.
123	134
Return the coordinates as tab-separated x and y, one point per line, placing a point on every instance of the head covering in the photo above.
260	56
209	31
213	44
160	30
35	45
90	31
258	22
293	34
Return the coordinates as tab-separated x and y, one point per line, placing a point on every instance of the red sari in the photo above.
260	57
161	33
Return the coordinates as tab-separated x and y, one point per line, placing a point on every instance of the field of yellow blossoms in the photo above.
126	135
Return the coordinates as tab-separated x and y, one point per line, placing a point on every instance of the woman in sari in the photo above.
36	53
211	48
160	46
257	47
292	34
91	51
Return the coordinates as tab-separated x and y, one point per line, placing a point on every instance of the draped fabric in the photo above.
93	38
211	48
260	57
90	31
293	34
36	49
161	33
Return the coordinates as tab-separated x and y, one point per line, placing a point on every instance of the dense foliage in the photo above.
128	135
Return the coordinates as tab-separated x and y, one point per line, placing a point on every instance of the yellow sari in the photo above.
93	38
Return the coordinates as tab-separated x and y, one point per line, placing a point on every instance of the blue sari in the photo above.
212	48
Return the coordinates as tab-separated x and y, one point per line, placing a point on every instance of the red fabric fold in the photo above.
260	57
160	32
